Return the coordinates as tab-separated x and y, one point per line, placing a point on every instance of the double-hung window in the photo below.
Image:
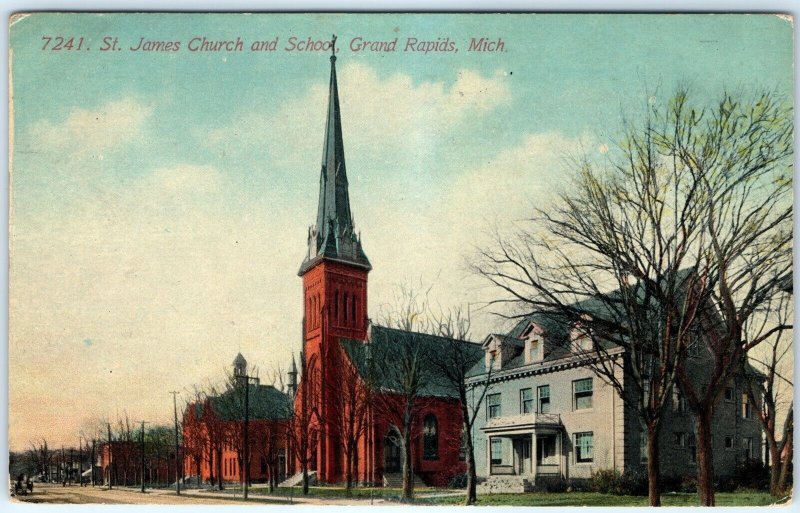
497	451
493	405
544	398
747	410
582	390
583	447
526	400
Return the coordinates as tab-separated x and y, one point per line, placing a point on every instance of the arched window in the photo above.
355	316
318	307
345	307
430	437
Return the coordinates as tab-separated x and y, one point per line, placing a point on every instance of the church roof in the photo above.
239	361
334	236
374	360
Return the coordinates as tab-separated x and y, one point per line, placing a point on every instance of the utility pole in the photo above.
141	438
94	459
246	470
80	461
178	461
109	455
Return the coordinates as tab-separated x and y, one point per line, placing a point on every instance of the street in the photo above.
51	493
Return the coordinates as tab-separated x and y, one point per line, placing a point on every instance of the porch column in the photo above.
560	453
533	454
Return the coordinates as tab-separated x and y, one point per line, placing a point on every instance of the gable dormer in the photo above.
580	336
499	350
533	336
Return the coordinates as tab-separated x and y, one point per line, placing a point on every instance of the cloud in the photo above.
93	132
438	235
391	119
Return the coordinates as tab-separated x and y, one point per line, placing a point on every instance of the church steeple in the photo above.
334	236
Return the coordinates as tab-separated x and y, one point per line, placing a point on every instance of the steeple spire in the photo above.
334	235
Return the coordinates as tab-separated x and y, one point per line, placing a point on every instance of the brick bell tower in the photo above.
334	274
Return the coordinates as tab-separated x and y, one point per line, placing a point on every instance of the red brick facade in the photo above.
214	447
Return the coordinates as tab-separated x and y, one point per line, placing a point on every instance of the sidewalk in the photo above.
236	494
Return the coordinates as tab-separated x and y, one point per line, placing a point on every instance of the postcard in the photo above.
436	259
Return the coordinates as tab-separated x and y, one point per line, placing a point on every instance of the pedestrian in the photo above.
30	485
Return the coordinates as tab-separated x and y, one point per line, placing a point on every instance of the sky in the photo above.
160	201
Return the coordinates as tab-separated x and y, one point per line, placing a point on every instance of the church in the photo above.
360	415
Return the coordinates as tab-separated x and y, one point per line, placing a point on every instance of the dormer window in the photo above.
492	359
535	351
580	337
533	336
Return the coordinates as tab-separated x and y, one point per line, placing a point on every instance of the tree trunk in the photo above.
653	485
773	455
705	458
472	478
348	472
785	463
305	478
408	474
219	469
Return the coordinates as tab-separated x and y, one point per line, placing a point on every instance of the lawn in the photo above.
741	498
332	492
744	498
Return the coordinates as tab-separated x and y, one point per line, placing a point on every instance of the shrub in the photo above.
751	474
611	481
688	484
604	481
633	482
555	485
458	481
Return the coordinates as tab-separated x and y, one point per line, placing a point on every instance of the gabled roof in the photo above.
557	326
374	360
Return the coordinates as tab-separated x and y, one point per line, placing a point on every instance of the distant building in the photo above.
214	438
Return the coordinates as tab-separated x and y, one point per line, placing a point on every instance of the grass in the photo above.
740	498
743	498
333	492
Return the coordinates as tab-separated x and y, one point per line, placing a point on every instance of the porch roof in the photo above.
526	422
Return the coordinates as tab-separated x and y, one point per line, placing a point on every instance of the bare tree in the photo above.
213	432
40	457
605	261
399	392
233	408
774	387
349	411
738	155
268	440
671	237
305	420
455	361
